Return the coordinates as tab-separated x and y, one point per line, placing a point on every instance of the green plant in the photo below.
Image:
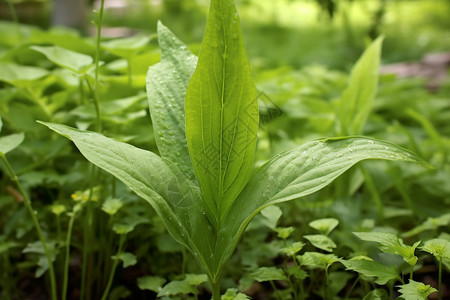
205	117
7	144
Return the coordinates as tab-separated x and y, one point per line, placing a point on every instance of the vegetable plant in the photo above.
205	116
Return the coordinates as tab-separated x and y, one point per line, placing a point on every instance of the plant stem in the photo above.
411	273
66	263
97	62
275	290
36	224
440	279
351	288
373	192
13	12
215	289
113	270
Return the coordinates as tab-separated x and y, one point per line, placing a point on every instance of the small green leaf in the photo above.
196	279
324	226
293	248
390	243
317	260
10	142
321	241
415	290
126	47
112	205
297	272
371	268
439	248
18	75
222	112
152	283
377	294
233	294
284	232
122	228
128	259
272	214
68	59
177	287
268	274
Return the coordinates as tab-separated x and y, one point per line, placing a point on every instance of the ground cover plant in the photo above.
202	184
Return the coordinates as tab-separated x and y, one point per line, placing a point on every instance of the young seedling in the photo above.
205	117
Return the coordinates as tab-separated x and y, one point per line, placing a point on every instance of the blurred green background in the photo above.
278	32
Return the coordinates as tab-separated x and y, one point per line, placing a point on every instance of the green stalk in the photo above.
373	192
351	288
66	263
12	10
97	61
440	279
215	289
275	290
87	241
36	224
411	273
113	271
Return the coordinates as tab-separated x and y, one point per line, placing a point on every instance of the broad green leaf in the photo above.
126	47
68	59
10	142
18	75
321	241
268	274
415	290
357	99
167	82
371	268
439	248
152	283
377	294
298	173
390	243
158	181
317	260
324	226
128	259
222	112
